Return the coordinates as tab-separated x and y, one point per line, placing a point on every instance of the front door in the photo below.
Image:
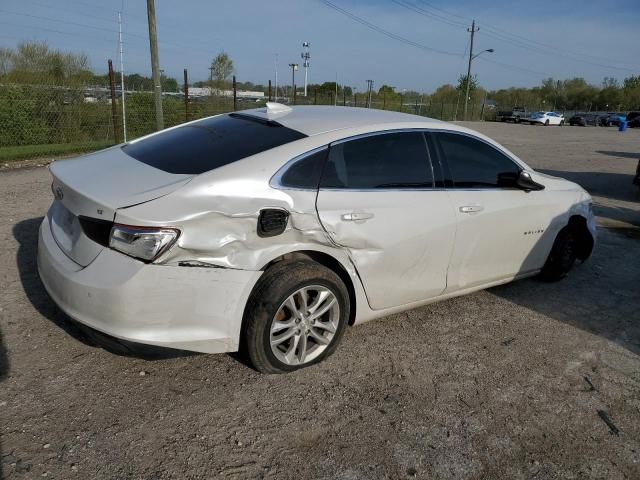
497	223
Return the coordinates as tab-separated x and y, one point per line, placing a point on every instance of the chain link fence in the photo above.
46	121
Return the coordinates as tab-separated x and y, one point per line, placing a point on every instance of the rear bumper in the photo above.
190	308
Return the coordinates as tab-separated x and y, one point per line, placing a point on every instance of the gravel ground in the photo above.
527	380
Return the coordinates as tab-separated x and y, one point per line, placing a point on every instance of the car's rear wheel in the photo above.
295	317
561	258
561	123
546	123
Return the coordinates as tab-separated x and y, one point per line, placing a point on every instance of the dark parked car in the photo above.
584	119
633	120
612	119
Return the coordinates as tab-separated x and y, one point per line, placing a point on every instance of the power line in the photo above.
175	46
514	67
389	34
534	45
431	15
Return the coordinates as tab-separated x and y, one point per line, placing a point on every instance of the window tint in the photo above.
210	143
393	160
475	164
305	173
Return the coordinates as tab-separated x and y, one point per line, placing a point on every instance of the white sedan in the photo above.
272	230
546	118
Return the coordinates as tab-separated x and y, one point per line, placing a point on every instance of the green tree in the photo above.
462	85
221	69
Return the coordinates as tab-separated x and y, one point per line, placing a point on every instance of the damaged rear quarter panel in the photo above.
217	213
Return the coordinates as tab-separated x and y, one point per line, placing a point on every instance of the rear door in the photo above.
498	225
377	199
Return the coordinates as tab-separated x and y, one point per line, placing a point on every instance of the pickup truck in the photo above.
514	115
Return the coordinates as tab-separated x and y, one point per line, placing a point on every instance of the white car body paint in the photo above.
417	247
550	118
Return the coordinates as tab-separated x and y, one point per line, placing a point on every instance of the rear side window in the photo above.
305	173
210	143
391	160
474	163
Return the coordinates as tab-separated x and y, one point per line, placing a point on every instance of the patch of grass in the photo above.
25	152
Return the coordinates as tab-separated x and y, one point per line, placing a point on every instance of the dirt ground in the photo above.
527	380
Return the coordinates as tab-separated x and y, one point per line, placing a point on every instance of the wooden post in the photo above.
295	98
344	97
114	106
186	96
235	95
269	90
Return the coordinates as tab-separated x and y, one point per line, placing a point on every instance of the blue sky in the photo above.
532	40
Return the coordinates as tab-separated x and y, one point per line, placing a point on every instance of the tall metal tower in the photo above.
305	56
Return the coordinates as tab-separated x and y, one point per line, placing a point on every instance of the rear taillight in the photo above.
143	243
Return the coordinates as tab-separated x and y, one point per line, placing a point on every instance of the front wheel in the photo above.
546	123
561	123
295	317
561	258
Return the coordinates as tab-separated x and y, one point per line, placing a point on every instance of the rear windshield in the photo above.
210	143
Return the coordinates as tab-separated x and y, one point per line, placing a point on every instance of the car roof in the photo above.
316	119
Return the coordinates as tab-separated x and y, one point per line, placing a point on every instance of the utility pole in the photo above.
122	92
294	67
369	89
468	81
305	57
155	63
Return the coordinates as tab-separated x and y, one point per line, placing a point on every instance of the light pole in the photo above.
294	67
305	56
473	30
468	81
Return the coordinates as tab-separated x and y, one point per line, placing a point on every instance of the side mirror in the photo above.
526	183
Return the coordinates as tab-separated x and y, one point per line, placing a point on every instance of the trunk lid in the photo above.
92	188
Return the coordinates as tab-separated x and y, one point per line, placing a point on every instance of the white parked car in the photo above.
271	230
546	118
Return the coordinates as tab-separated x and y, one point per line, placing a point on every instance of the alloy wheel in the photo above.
304	325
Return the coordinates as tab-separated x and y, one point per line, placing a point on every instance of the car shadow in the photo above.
26	233
612	153
599	295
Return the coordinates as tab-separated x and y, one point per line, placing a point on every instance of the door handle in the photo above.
354	217
471	208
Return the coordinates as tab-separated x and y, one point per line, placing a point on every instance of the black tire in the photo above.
561	123
274	287
546	123
561	258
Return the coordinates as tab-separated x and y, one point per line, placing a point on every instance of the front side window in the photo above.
476	164
390	160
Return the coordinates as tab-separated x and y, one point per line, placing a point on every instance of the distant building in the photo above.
207	91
